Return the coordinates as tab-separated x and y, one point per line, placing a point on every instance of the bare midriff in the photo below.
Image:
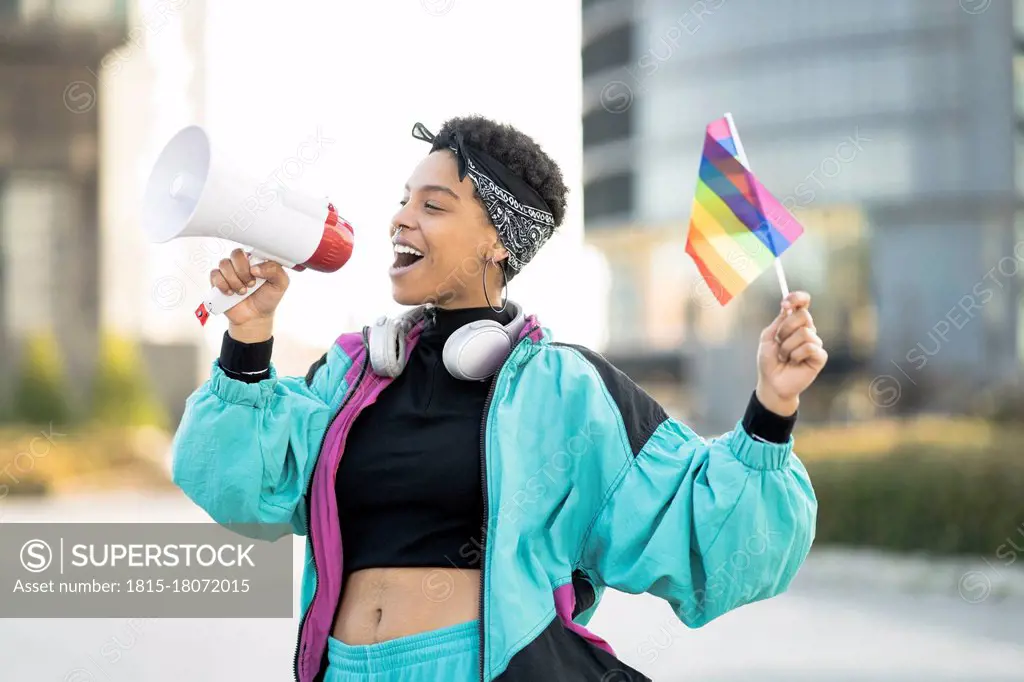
380	604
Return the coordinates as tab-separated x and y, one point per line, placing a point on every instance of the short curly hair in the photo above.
517	151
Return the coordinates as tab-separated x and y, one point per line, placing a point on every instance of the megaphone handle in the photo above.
217	302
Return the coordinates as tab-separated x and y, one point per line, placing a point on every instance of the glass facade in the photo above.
800	171
611	195
626	300
791	89
68	12
888	128
608	51
851	102
601	126
1018	98
33	215
751	25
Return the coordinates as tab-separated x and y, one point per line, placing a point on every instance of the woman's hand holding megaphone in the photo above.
251	320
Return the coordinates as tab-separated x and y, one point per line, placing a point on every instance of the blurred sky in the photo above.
361	74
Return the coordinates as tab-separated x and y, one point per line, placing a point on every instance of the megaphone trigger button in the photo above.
202	314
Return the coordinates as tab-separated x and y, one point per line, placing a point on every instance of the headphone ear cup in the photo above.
387	347
476	351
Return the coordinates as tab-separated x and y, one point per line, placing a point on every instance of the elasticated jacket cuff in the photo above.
238	392
759	454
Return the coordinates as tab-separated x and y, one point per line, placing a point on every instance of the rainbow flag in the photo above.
737	228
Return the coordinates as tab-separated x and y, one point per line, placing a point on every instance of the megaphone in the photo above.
194	191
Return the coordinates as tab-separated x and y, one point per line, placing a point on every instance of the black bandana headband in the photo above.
518	213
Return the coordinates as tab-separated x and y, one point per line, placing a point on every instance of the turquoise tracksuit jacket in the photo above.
587	484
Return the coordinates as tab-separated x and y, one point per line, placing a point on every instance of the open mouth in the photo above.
405	258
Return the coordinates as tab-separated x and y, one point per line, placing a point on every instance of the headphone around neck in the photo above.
474	352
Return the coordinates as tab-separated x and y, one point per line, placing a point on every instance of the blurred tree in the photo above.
40	395
122	393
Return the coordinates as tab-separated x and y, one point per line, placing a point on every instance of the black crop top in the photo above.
409	482
409	488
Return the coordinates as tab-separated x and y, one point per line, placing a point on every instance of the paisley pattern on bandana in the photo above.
522	229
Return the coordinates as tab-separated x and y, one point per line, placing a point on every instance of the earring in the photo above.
504	303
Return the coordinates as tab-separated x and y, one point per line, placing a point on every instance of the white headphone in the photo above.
473	352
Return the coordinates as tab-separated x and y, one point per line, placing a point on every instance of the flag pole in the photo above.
742	156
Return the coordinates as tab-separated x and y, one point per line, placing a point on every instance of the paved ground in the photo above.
831	626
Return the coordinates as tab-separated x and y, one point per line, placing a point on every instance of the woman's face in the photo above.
445	238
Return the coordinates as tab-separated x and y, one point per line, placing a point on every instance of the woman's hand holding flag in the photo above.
790	355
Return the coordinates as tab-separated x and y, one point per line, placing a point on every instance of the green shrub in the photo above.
921	497
40	395
122	393
44	460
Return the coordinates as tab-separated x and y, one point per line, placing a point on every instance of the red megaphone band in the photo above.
335	246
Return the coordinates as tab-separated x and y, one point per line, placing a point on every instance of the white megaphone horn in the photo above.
193	191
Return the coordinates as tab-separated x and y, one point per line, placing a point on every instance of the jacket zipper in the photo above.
483	488
309	490
483	526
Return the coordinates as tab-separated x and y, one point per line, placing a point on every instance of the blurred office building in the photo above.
892	131
82	101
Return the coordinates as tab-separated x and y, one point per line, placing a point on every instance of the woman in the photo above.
488	484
